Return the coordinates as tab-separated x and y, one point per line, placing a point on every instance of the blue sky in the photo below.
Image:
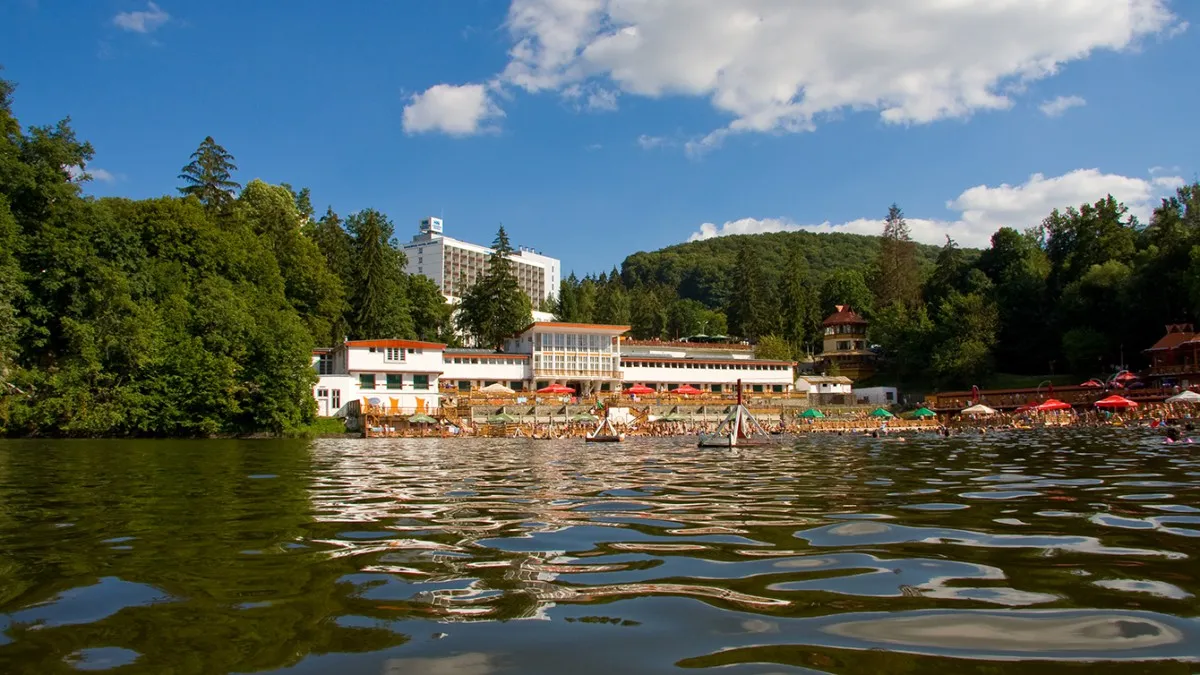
596	128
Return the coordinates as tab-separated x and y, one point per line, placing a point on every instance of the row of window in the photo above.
847	345
844	328
574	342
395	382
465	385
464	360
703	366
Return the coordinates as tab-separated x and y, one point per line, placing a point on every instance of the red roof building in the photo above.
845	350
1176	355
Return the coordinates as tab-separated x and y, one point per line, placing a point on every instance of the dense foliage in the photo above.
495	307
1083	292
192	315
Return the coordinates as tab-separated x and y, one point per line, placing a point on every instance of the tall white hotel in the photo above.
455	265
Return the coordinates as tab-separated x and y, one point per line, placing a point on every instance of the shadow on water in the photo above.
1041	552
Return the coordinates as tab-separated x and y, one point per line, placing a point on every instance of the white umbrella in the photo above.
497	389
1185	397
979	409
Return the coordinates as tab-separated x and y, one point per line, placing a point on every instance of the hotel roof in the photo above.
594	327
1172	340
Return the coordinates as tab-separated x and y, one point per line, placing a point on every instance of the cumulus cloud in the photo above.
1055	107
981	210
455	110
77	173
591	98
142	21
776	66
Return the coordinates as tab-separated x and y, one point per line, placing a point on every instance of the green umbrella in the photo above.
881	412
813	414
502	418
584	417
672	417
923	412
421	418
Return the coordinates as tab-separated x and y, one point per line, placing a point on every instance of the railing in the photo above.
1014	398
1182	369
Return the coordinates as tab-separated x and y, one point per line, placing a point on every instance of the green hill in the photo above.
703	270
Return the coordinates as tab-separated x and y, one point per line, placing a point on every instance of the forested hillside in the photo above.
193	314
1083	292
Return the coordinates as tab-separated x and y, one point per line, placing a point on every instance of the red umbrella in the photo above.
639	389
556	389
1024	408
1052	404
1093	384
1116	402
1125	376
686	389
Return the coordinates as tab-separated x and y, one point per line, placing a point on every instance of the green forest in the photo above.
1080	293
186	315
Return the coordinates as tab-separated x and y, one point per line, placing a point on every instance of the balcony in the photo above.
1178	369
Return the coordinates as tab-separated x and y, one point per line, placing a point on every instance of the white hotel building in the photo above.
455	265
410	376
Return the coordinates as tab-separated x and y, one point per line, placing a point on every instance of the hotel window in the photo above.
395	381
325	364
393	354
777	388
335	398
366	381
420	382
464	385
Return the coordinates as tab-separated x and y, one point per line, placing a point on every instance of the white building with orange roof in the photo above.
401	375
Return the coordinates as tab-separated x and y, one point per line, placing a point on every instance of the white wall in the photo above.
674	374
877	395
421	360
486	369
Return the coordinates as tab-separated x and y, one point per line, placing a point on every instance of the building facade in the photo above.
412	376
1175	358
401	375
456	265
845	350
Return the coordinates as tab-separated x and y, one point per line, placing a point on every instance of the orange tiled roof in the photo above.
843	315
1172	340
402	344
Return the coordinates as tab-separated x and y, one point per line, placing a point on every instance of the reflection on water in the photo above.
1040	552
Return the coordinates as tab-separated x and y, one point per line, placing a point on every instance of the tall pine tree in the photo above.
897	277
750	314
495	307
209	176
379	299
798	311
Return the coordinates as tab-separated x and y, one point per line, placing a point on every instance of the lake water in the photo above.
1035	552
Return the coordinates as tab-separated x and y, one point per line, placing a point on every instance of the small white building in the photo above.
468	369
401	375
708	367
877	395
824	384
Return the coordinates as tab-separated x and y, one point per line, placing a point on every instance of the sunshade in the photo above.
421	418
979	409
1052	404
1125	377
1116	402
584	417
1093	384
497	388
924	412
556	389
812	414
881	412
1185	397
639	389
672	417
686	389
502	418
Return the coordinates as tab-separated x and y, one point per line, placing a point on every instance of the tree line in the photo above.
1082	292
188	315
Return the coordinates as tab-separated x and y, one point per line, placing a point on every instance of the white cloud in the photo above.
648	142
781	65
455	110
147	21
591	98
983	209
77	172
1057	106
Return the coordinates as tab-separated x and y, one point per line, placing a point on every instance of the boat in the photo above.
604	433
739	429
